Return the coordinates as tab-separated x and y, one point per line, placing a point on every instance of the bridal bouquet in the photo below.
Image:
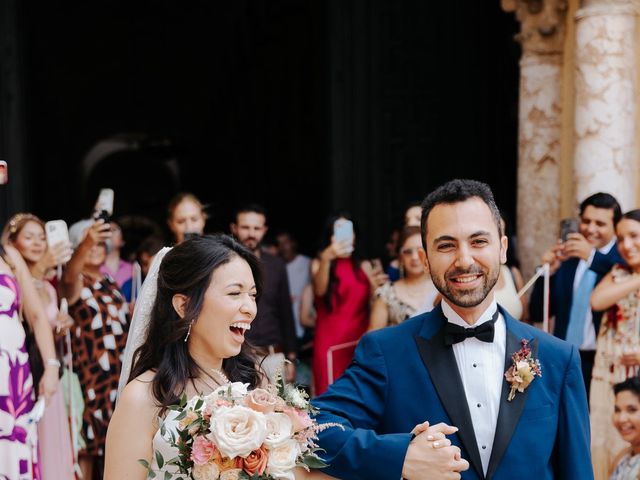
234	433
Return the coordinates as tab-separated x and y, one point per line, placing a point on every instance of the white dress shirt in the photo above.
481	367
589	335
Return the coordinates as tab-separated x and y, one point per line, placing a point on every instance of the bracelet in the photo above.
53	362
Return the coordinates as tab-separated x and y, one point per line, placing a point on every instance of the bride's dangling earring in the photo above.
189	331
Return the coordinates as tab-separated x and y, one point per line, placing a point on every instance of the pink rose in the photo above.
300	420
203	451
261	400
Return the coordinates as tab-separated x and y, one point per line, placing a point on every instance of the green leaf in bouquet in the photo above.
199	404
183	400
163	428
182	415
174	461
159	459
167	476
313	461
151	474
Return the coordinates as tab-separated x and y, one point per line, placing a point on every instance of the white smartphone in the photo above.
57	232
343	230
104	205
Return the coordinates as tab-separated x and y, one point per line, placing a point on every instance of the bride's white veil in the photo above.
141	317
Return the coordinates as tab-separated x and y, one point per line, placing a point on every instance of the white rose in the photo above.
237	389
282	460
237	431
295	397
279	429
233	474
210	471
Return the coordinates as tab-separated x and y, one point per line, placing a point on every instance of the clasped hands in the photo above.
431	456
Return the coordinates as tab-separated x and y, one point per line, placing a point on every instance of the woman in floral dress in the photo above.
618	348
18	435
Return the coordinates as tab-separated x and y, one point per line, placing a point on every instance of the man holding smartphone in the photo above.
577	263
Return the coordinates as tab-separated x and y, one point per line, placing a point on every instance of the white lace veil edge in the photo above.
141	317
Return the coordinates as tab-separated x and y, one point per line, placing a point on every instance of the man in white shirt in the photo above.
514	393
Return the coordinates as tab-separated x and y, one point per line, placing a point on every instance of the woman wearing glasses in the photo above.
413	294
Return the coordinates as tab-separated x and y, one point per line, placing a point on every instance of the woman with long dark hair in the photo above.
193	343
342	284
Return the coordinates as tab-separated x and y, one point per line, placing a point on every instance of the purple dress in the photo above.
18	437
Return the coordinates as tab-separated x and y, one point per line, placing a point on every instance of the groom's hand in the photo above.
431	456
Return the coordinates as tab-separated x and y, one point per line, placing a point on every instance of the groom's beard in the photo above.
467	297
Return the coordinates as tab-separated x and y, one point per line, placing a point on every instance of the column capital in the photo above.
608	7
542	24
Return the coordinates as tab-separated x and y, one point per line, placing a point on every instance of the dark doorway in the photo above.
303	105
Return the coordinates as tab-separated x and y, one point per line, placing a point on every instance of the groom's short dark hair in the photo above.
455	191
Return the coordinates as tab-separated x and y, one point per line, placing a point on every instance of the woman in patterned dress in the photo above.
413	294
618	348
101	323
18	435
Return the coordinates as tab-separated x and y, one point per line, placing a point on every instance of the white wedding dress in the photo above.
162	446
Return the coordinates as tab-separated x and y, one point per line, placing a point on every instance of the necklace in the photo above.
221	376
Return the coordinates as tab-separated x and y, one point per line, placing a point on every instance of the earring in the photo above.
189	331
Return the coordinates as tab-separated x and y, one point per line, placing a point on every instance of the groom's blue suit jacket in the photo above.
404	375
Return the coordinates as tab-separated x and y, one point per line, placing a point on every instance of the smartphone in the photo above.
567	226
104	205
57	232
343	230
190	235
4	173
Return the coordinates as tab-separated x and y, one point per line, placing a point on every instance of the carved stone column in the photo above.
541	37
605	157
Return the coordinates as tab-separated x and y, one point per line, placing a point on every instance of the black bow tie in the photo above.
455	333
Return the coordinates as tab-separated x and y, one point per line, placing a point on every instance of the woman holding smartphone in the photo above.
342	284
101	318
18	435
26	233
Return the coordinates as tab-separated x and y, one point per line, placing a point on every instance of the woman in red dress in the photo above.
342	285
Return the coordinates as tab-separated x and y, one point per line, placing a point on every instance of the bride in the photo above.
187	336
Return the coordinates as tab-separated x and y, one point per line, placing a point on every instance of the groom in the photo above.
448	366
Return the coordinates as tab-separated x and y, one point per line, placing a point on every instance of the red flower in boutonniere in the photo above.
523	371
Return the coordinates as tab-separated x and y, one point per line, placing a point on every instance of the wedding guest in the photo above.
101	317
626	419
18	435
411	218
342	283
148	249
120	270
26	233
413	294
618	347
186	216
510	282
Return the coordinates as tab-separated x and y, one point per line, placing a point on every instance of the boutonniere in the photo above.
523	371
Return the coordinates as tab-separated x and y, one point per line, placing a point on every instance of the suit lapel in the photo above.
509	413
443	370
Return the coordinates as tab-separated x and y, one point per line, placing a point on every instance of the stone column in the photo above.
605	157
539	132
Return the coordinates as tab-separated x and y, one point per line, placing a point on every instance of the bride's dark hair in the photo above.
187	269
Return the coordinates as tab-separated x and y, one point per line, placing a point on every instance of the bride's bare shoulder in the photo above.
138	392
